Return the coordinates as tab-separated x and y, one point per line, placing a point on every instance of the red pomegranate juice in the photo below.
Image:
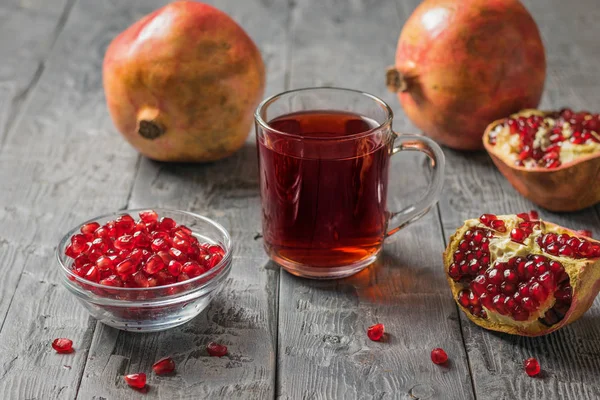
323	188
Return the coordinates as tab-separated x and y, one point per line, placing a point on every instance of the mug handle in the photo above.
412	213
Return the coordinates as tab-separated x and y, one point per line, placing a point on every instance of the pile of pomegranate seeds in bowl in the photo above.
145	270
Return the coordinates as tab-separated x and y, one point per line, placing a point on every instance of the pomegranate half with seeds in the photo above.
550	157
522	275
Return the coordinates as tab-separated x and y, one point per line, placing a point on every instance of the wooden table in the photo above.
62	161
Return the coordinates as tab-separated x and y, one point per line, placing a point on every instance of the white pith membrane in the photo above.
501	249
508	146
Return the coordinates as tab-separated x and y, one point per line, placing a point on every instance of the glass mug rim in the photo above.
258	114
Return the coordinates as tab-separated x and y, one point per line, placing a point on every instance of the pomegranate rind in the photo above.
584	277
569	187
182	83
456	63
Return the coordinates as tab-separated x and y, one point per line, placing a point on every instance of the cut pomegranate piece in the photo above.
531	280
216	350
62	345
375	332
164	366
532	366
137	381
549	159
439	356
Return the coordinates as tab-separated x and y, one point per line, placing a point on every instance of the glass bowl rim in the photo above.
216	271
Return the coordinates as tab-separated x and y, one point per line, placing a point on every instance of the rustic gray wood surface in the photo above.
62	161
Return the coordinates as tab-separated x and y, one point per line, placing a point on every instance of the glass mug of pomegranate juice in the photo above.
324	157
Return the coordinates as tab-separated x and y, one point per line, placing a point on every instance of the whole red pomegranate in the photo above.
461	64
182	83
521	275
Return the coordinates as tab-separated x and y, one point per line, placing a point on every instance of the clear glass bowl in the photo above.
155	308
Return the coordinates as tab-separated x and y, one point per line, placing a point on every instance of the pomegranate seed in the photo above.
148	216
534	215
124	224
517	235
463	298
154	264
498	225
112	280
485	300
510	276
192	269
219	350
141	240
564	294
137	381
159	244
547	281
90	228
529	303
181	244
92	274
520	314
494	276
140	279
486	219
166	224
508	288
524	216
82	260
174	268
62	345
164	366
438	356
124	242
478	284
532	367
565	251
538	292
126	267
177	254
101	244
473	299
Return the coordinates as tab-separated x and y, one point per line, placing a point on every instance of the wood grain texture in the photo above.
244	315
62	163
26	36
570	357
324	352
28	32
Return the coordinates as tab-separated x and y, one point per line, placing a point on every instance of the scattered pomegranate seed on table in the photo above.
216	350
375	332
163	366
137	381
149	252
439	356
62	345
532	366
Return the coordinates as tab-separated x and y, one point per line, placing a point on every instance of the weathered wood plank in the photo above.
569	357
324	352
244	315
27	34
60	164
